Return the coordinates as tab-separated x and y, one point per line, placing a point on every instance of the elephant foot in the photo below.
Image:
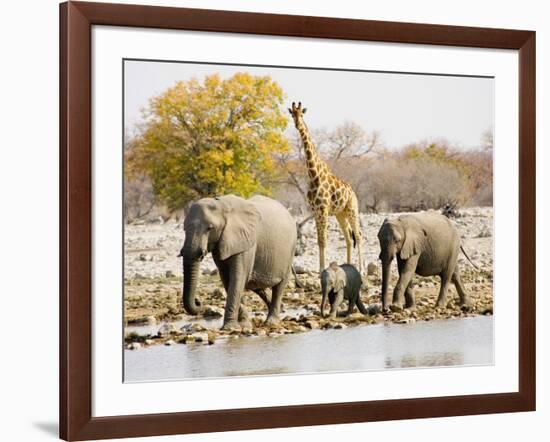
441	305
410	306
246	325
466	307
273	321
231	326
396	308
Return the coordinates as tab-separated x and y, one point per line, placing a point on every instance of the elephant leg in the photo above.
409	297
235	286
277	293
464	298
265	297
406	269
345	227
336	304
224	276
321	224
351	307
385	294
442	299
244	318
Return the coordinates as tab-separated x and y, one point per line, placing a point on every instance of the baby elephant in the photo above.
426	244
339	283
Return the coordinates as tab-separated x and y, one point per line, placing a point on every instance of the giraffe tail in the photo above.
354	239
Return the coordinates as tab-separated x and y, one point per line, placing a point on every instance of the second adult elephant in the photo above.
427	244
252	242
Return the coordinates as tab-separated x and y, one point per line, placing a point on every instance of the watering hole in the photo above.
452	342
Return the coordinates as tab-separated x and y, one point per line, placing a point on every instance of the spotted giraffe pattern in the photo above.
328	195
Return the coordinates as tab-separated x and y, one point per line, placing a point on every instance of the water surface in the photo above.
464	341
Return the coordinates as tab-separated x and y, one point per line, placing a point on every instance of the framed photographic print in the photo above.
274	220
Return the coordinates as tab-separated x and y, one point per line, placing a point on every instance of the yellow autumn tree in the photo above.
211	137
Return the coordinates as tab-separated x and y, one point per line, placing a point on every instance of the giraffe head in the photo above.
297	112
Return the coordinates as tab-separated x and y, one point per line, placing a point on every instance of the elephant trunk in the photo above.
386	301
190	278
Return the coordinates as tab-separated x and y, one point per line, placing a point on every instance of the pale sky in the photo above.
404	108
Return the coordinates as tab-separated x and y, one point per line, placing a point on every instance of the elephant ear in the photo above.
411	245
383	228
242	220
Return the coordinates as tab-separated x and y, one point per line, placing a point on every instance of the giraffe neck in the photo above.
316	166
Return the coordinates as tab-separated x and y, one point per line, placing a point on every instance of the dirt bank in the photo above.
153	281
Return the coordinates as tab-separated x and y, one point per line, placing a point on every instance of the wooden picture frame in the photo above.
76	21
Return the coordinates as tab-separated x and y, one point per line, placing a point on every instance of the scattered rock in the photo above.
169	274
312	324
213	312
374	309
218	294
261	316
211	338
485	232
168	329
191	328
169	342
134	346
372	269
198	337
340	326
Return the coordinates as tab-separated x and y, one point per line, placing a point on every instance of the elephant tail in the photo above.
297	282
466	255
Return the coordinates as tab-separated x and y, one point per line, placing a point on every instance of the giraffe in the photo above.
328	195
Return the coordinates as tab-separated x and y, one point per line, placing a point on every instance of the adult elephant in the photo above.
252	242
426	244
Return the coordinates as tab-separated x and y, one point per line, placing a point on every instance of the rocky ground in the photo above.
153	283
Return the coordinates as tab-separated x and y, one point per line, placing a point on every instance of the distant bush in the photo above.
417	177
219	136
409	185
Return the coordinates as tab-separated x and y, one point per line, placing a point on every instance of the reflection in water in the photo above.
444	359
467	341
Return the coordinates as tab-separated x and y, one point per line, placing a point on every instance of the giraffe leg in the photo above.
344	225
353	221
321	223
